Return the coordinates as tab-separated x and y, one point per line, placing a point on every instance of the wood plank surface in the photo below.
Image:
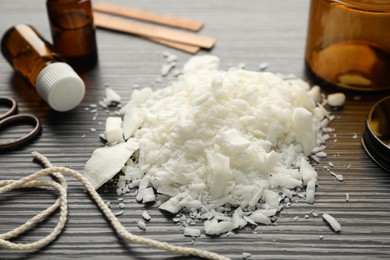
250	32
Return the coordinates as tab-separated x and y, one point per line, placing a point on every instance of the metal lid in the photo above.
376	137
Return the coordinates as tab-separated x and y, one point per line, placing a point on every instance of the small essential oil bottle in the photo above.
35	59
73	31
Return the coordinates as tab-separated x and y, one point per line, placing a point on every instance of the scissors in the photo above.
10	117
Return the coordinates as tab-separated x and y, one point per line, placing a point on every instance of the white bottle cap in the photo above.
60	86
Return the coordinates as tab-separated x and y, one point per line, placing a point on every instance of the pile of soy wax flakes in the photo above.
224	148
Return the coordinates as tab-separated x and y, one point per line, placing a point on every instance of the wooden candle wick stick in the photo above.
180	46
146	16
107	22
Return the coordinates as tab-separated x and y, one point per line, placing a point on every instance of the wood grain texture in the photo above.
249	32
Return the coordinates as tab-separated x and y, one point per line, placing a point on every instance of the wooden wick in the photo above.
152	32
146	16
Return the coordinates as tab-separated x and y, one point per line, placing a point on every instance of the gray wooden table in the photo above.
249	32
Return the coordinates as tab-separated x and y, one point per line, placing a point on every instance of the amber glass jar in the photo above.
348	43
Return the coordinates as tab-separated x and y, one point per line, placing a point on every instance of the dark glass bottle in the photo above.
73	31
44	69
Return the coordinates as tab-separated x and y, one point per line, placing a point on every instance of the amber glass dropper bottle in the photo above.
35	59
73	31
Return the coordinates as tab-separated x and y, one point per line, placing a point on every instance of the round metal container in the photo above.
376	137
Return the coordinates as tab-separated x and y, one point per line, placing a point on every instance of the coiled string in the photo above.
59	183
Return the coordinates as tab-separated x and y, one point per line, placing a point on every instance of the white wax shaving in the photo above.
111	99
192	232
260	218
146	216
114	132
102	165
214	227
310	190
332	222
141	225
336	99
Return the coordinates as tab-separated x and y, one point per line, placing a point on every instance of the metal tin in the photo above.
376	137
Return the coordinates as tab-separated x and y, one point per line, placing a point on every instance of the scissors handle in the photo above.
9	118
9	102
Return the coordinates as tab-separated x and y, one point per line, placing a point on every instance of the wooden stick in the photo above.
146	16
180	46
107	22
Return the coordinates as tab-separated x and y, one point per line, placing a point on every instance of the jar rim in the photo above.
366	5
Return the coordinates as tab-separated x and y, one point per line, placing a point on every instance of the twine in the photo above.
59	183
